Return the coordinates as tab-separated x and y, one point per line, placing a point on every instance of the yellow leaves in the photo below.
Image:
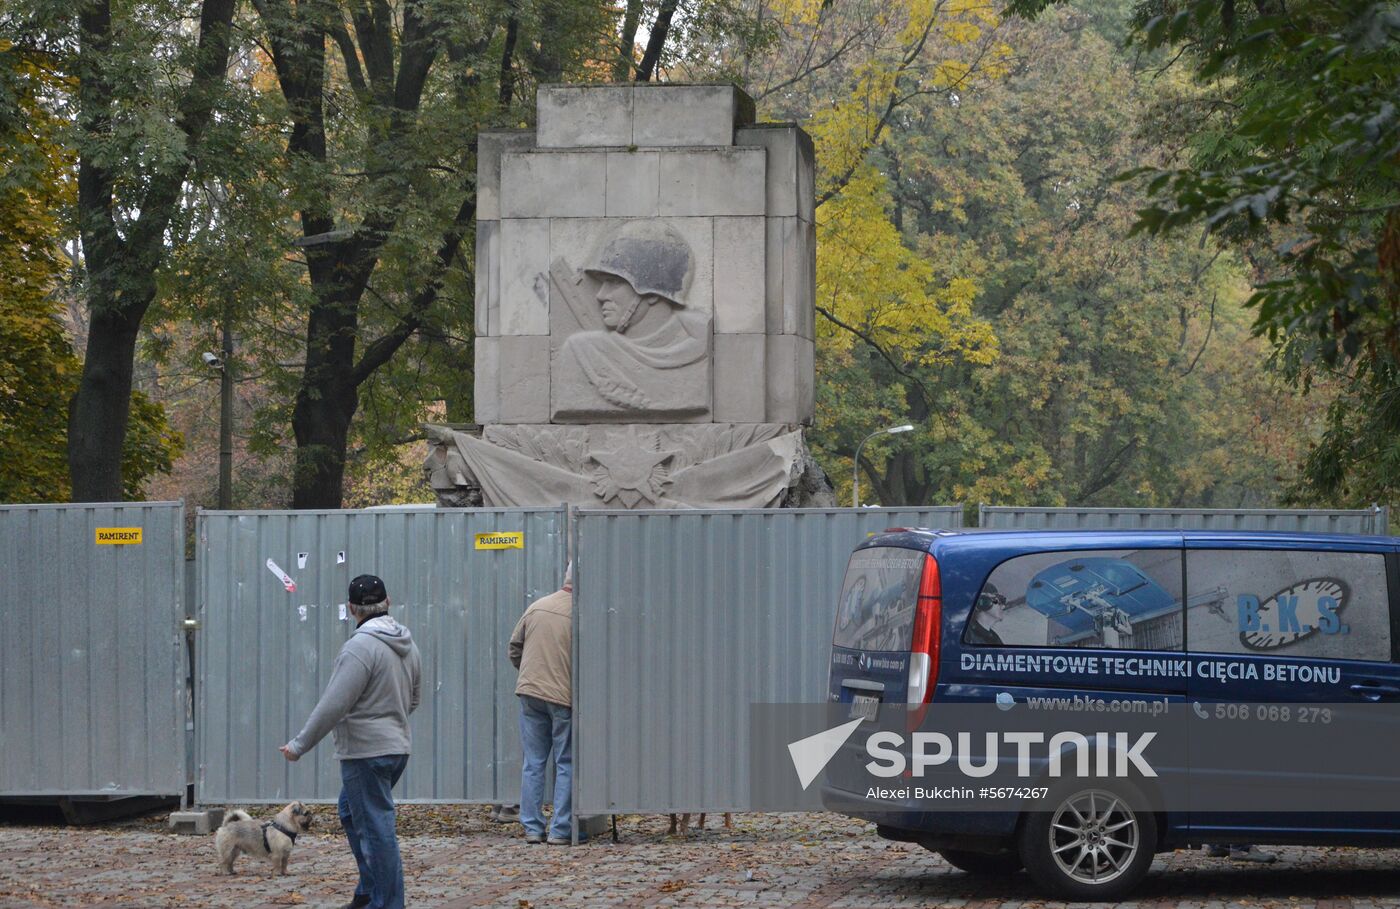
870	281
797	12
933	49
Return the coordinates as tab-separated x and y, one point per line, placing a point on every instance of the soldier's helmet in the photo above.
650	256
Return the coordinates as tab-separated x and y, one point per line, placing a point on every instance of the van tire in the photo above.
982	863
1118	809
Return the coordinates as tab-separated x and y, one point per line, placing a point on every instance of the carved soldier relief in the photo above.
625	346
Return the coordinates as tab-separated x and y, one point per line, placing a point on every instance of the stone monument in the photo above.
645	270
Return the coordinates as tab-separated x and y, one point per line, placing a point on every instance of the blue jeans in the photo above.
546	729
367	814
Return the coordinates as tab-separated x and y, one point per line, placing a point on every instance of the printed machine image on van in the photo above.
1203	621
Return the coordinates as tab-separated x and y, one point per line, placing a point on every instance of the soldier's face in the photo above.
617	299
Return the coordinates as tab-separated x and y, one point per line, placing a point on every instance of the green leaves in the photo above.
1300	170
1124	368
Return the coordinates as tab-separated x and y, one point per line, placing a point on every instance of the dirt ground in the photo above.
457	858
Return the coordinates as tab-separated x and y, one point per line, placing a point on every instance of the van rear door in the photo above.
875	617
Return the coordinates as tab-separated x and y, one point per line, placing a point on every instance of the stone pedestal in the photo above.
645	266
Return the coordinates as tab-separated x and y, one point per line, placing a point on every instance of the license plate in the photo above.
863	706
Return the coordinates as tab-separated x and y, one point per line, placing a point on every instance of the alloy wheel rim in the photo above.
1093	836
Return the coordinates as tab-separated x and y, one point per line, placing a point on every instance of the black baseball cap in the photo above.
366	590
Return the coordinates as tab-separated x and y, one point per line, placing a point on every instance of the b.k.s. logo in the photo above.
1298	611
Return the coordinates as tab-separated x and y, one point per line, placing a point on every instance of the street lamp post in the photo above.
855	462
226	423
222	362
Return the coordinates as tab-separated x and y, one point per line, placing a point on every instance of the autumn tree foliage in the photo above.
301	172
1290	155
39	371
976	276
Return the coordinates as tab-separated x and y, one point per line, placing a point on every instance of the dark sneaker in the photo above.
359	902
1218	851
534	839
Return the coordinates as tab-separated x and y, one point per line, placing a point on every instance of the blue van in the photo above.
1203	621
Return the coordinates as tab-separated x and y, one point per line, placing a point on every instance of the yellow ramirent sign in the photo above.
506	540
119	536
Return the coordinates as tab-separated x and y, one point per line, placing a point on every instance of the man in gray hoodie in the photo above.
374	686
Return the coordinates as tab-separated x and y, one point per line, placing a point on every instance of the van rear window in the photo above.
878	599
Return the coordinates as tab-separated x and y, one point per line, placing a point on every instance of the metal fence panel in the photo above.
265	655
683	620
92	662
1360	521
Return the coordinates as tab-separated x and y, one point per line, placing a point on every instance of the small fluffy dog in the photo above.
271	840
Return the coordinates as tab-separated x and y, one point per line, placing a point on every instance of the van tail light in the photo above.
923	651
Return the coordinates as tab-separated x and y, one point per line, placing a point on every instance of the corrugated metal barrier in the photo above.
684	619
1364	521
265	654
92	661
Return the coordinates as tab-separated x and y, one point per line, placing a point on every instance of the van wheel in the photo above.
1096	843
982	862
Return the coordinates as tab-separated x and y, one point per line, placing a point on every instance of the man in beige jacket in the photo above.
541	647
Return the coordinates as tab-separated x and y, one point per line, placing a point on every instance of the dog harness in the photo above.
289	834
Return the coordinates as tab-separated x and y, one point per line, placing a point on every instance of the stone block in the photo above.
722	181
524	379
200	823
740	378
580	241
779	234
806	380
487	303
524	278
739	275
779	142
666	114
490	146
633	184
783	397
789	185
577	116
486	374
806	177
790	276
800	282
553	185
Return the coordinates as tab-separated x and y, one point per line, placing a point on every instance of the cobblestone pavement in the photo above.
455	858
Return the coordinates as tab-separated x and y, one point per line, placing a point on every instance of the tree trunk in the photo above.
631	21
328	395
321	422
97	417
121	270
656	42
